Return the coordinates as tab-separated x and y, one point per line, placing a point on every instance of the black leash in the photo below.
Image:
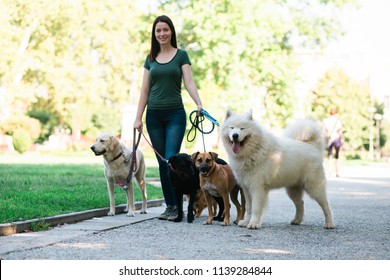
197	124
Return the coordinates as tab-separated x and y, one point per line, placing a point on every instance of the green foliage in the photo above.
66	62
243	52
74	59
30	125
21	140
46	117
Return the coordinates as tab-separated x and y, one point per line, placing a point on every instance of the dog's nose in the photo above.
235	136
203	167
93	148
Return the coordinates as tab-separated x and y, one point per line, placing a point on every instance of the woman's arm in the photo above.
143	100
190	85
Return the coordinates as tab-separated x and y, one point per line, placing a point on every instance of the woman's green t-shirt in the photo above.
165	81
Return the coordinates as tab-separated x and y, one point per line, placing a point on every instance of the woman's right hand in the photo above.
138	125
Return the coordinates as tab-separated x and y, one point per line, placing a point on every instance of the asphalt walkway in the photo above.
360	200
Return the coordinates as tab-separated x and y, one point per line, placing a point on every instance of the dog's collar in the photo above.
210	172
118	156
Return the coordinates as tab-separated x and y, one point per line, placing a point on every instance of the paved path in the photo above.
360	201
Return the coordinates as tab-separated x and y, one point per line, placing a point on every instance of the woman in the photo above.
164	69
333	132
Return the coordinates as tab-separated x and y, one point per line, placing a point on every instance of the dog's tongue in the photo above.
236	147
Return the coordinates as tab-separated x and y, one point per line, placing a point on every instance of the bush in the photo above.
21	140
30	125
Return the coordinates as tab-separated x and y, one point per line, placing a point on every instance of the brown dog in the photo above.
218	180
200	204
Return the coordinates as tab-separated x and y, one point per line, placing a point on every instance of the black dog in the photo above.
184	177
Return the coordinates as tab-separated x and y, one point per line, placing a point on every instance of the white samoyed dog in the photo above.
262	161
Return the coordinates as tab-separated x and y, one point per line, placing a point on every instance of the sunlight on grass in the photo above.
47	188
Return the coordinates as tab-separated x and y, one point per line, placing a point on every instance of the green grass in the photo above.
29	191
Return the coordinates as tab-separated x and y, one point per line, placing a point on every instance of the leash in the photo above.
150	144
133	156
197	124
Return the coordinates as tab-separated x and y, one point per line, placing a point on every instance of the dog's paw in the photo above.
224	224
111	213
295	222
190	218
143	212
253	226
207	222
329	225
130	214
243	223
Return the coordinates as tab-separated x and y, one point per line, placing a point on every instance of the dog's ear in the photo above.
249	115
213	155
229	112
113	143
195	155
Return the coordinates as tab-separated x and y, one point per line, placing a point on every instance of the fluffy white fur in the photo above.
262	161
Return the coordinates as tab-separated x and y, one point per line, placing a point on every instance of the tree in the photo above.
74	59
243	51
72	63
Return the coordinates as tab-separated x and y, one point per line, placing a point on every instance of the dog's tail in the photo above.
306	131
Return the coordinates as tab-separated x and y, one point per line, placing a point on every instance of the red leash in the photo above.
154	148
164	159
133	164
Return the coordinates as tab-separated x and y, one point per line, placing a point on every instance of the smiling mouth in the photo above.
237	145
100	153
204	171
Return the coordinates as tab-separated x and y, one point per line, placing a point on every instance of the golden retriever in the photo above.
117	163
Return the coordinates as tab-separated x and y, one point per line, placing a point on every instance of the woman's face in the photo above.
163	33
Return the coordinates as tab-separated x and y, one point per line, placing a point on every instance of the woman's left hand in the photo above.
200	108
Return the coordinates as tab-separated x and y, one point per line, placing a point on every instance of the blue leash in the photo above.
207	115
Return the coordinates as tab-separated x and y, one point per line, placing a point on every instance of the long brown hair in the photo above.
155	46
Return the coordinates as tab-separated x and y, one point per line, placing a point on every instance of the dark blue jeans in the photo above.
166	128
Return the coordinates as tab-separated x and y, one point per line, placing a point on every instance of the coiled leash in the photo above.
133	158
197	124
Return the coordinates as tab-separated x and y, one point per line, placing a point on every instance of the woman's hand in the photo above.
138	125
200	108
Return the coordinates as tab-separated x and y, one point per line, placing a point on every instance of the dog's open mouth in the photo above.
204	170
99	153
237	145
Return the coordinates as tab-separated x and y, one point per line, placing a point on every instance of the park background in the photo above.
72	69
